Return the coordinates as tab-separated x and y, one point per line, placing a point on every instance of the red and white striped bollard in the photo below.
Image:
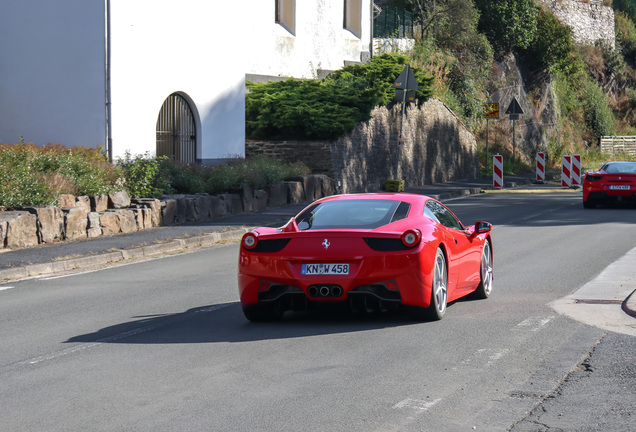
576	170
540	166
566	171
497	171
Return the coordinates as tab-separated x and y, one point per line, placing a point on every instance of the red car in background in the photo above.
367	252
614	182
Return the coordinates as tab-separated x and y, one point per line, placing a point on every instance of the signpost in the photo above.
405	87
491	112
514	110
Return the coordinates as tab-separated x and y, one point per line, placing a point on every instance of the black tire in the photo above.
262	313
589	204
485	273
439	291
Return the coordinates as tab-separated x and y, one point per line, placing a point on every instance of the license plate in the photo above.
325	269
619	187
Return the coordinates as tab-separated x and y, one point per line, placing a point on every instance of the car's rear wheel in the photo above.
262	313
589	204
439	294
486	274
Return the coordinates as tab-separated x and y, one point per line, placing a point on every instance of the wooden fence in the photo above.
619	144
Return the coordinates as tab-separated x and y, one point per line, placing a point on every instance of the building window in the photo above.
353	16
285	14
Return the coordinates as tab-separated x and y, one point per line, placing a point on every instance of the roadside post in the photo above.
405	87
576	170
497	171
491	112
566	171
541	167
514	111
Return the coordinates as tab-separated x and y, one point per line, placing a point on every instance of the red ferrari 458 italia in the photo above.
367	252
614	182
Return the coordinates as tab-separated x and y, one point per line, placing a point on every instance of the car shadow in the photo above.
225	323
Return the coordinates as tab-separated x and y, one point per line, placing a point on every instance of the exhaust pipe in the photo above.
325	291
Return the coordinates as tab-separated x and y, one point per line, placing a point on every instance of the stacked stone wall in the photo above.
436	148
314	154
80	219
590	21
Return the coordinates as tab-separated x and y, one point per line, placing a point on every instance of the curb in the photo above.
169	247
629	305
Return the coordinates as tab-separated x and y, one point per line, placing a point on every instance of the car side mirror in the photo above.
482	227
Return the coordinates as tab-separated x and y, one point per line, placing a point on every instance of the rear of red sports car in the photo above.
366	269
614	182
367	252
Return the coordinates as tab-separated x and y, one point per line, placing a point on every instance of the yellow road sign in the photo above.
491	110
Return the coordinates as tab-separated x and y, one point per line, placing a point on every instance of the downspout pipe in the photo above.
371	13
109	138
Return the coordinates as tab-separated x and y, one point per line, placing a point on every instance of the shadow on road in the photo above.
225	323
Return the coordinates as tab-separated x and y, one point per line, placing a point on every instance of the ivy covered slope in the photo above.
314	109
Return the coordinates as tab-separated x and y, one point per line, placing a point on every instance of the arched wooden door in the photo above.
176	130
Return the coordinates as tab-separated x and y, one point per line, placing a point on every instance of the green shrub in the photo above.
256	172
142	175
378	75
598	114
32	175
296	109
328	109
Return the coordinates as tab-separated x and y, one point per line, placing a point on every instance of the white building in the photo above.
161	76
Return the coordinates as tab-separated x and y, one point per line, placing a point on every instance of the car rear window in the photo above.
620	168
354	214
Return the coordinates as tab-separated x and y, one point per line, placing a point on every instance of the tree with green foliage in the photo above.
628	7
626	36
433	16
553	45
508	24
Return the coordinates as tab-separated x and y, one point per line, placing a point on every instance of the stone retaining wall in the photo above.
90	217
590	21
437	148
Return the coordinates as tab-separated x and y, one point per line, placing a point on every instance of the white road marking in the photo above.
484	357
2	288
534	324
416	404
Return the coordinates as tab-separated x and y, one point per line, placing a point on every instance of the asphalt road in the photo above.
162	345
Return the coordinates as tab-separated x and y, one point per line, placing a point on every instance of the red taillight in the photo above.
249	241
411	238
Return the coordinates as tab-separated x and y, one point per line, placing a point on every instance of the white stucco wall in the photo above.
52	72
319	42
52	66
160	47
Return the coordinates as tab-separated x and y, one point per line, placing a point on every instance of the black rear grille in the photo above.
386	244
272	245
